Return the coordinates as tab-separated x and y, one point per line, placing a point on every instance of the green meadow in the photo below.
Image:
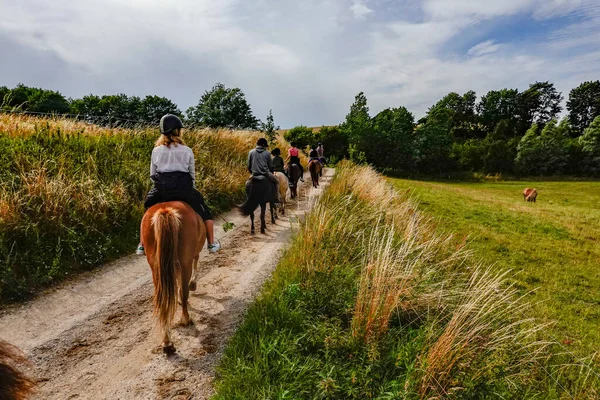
551	247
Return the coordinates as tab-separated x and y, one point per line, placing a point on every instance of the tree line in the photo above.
216	108
506	131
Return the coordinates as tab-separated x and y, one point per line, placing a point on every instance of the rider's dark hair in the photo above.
293	144
262	142
276	151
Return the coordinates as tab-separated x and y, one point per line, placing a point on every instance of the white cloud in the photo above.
484	48
306	60
360	9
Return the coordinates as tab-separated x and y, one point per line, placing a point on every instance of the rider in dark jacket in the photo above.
260	163
278	164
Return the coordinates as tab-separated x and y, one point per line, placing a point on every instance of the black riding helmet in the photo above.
262	142
169	122
276	151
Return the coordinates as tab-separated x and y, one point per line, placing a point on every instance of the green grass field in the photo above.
552	246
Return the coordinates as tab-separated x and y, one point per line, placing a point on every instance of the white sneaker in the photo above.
140	250
213	248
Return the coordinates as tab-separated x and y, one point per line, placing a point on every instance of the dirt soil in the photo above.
94	338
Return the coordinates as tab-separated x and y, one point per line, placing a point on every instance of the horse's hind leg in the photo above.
185	293
194	273
273	212
252	222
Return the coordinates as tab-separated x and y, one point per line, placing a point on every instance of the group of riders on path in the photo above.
172	170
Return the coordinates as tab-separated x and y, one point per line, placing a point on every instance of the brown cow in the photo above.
532	196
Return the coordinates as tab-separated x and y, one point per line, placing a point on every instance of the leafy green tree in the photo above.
543	151
433	142
590	147
152	108
391	144
498	105
334	142
302	135
499	149
222	107
269	128
540	103
468	154
463	115
358	127
33	99
584	105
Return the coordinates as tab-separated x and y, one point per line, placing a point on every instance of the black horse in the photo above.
259	191
294	174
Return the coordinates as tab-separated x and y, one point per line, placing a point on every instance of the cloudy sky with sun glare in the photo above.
304	59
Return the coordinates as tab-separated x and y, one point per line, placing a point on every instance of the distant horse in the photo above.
526	192
294	172
173	235
315	169
259	192
14	385
283	187
531	196
323	164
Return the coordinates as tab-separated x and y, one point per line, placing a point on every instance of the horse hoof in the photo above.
169	349
263	231
193	286
252	231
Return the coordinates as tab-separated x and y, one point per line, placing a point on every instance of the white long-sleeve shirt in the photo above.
176	158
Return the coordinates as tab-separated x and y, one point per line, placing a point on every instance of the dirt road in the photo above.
95	339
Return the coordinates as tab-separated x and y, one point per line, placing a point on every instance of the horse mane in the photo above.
14	384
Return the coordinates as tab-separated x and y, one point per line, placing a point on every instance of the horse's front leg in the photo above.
252	222
263	223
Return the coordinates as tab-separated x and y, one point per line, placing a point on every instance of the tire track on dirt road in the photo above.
94	338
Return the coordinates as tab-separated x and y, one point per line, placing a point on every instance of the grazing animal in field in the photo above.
532	196
14	385
283	187
315	168
294	172
259	192
526	192
173	235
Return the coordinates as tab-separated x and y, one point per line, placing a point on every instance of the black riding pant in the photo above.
177	186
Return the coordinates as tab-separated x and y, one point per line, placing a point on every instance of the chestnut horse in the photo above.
173	236
14	385
283	187
315	169
294	172
529	194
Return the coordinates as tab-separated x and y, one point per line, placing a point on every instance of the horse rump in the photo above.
14	385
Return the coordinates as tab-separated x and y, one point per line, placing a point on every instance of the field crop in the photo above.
71	194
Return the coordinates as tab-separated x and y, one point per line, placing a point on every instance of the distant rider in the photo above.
260	163
294	158
172	169
278	164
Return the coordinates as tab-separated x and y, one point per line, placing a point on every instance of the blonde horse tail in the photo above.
166	231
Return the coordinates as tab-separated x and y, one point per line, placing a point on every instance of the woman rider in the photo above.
294	158
172	169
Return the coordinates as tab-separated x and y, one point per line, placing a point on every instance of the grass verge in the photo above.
371	301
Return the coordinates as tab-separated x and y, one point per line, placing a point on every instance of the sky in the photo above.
305	60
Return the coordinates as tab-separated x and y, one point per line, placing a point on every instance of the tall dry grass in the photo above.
71	194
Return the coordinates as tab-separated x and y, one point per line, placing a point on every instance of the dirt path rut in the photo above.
95	339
